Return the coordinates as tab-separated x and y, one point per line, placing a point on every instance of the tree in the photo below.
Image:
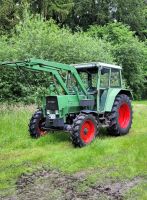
89	12
133	13
56	9
132	56
82	13
101	12
7	15
128	52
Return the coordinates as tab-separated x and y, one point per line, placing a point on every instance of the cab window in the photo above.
84	77
115	78
89	79
104	80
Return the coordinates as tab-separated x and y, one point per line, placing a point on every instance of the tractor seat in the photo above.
92	90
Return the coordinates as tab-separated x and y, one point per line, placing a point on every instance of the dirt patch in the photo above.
52	185
116	190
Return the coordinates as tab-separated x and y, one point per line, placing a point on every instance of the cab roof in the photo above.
95	65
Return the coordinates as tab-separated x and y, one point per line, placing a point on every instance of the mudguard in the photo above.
111	95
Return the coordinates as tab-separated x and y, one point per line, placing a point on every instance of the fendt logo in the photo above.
51	102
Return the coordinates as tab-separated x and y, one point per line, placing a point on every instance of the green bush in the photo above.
44	39
132	56
128	52
113	32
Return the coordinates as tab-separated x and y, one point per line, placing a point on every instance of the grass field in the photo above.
107	158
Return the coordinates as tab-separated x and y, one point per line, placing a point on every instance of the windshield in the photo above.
89	79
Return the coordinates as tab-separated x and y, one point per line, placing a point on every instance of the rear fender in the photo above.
112	93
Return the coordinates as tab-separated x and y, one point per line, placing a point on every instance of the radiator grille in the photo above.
51	103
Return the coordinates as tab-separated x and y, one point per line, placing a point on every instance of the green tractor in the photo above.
82	98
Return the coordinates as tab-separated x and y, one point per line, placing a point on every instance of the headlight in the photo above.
48	112
52	116
56	112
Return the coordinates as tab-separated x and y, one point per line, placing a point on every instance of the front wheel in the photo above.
84	130
121	116
36	125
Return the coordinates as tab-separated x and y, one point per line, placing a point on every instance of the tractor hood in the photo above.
63	104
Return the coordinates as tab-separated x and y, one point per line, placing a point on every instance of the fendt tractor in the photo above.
82	99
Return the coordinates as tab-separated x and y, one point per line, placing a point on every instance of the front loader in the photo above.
82	98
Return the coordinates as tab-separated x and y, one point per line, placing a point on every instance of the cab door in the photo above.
104	84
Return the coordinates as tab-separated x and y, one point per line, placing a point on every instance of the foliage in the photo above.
42	38
59	10
132	13
128	52
10	14
132	56
88	12
36	38
115	32
80	13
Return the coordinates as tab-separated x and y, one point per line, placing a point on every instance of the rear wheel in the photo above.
84	130
36	125
121	116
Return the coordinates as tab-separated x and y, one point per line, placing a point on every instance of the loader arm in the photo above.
51	67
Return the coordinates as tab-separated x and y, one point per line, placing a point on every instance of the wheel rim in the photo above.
87	131
124	115
40	130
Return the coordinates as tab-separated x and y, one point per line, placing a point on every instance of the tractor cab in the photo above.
99	79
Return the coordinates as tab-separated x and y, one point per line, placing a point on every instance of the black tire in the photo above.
121	116
35	125
83	126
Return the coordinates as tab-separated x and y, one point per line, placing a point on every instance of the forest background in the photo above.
71	31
